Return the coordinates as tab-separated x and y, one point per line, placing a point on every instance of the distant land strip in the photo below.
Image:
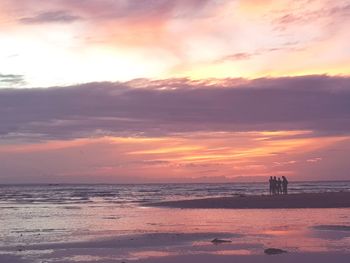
303	200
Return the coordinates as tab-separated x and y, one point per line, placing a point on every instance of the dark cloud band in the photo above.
11	79
319	103
50	17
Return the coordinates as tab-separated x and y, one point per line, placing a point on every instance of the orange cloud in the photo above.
192	155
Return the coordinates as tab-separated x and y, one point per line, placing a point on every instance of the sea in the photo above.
136	194
68	213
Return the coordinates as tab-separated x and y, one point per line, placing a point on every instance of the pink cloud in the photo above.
314	160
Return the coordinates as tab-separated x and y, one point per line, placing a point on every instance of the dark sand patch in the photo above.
305	200
135	241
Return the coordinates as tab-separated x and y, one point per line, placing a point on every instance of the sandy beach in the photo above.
304	200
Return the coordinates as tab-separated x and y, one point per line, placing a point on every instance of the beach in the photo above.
301	200
296	234
103	224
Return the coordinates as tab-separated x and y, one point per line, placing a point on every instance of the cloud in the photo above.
287	46
157	108
115	9
59	16
331	12
211	40
314	160
136	9
11	80
237	56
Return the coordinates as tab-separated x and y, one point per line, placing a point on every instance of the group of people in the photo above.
278	186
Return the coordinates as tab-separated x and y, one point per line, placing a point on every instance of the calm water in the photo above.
136	194
40	214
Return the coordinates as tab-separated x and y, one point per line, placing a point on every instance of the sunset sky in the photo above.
133	91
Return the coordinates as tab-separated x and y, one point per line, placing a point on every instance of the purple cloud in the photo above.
319	103
11	79
332	13
137	9
114	9
59	16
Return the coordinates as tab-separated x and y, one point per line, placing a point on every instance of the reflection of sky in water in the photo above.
295	230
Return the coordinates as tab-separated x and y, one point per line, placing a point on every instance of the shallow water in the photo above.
128	194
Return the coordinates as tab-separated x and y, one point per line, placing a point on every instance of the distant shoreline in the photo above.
304	200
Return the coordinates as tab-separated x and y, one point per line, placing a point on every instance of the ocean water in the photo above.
56	214
140	193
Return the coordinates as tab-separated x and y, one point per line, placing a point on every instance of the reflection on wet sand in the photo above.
114	233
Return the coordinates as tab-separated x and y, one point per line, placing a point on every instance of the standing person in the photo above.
271	185
274	185
285	185
279	186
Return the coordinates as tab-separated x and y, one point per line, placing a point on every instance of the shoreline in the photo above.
304	200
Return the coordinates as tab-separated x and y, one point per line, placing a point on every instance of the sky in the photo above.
132	91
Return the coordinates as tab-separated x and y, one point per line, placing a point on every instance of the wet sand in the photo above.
169	248
320	236
207	258
287	258
305	200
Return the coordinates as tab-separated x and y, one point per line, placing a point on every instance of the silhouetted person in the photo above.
274	185
285	185
271	185
279	186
